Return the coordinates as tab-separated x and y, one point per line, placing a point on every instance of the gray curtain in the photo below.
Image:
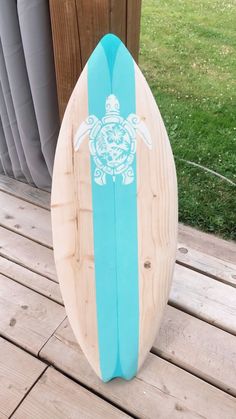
29	122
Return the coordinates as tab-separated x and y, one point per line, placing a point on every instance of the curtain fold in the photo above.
1	167
4	154
35	30
11	132
9	140
28	98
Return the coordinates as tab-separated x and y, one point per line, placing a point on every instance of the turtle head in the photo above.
112	105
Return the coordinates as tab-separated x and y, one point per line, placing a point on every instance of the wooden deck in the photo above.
191	370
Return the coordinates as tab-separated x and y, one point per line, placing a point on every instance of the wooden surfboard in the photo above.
114	212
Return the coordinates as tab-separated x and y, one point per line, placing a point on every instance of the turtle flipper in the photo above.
99	177
128	176
83	130
141	127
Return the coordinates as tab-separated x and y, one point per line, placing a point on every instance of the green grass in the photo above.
188	55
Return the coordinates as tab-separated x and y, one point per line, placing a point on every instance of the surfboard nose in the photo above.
111	39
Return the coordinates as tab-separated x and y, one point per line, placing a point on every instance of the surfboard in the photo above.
114	212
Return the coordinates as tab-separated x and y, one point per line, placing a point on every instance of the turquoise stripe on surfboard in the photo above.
123	82
111	71
99	87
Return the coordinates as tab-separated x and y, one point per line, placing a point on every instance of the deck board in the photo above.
18	372
24	191
160	389
191	372
204	297
27	318
198	294
56	396
30	279
214	267
203	252
28	253
198	347
26	219
208	244
176	324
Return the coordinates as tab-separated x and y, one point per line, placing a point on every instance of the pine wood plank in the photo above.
94	22
199	348
24	191
74	229
27	318
56	396
208	244
160	389
205	253
21	216
26	219
118	18
179	333
30	279
204	297
157	236
66	46
28	253
78	25
18	372
133	26
35	223
72	224
217	268
193	292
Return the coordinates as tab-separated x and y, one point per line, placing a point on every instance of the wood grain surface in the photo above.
214	256
56	396
66	47
30	279
18	372
72	221
77	27
27	318
198	347
25	192
211	306
27	253
32	221
72	226
160	389
198	358
157	216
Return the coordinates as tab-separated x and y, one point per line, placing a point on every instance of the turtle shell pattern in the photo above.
113	144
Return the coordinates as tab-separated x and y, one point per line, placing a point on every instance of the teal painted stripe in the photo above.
111	70
123	87
99	87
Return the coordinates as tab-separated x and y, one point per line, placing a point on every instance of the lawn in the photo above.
188	55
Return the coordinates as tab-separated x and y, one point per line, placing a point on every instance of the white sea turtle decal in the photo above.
112	142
